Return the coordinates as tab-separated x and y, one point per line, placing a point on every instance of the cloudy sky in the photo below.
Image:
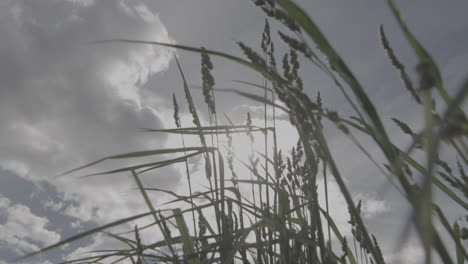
65	101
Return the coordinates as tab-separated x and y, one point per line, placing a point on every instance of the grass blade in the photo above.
189	247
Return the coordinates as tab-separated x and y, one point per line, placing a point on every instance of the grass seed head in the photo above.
176	111
208	80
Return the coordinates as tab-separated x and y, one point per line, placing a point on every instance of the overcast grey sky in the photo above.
64	101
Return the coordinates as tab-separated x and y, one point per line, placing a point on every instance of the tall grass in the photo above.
282	220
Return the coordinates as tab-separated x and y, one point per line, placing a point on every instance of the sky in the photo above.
66	101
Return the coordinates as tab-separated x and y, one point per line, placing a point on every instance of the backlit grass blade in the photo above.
153	211
263	87
189	246
344	190
196	119
265	72
203	128
254	97
136	154
241	241
338	235
159	164
208	130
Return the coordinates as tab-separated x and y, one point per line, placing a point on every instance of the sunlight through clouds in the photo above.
68	97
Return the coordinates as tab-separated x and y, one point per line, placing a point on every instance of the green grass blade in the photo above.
436	181
187	241
338	235
145	165
136	154
460	257
196	119
339	66
454	233
153	211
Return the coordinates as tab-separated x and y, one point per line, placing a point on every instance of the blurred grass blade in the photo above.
339	66
403	126
420	51
436	181
460	257
454	234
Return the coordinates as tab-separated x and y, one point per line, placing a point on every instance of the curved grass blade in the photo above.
158	164
136	154
264	71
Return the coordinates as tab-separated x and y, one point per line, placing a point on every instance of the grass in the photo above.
282	220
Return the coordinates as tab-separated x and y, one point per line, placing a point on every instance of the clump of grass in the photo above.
283	221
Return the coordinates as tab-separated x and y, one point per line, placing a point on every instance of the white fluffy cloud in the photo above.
410	252
65	101
22	230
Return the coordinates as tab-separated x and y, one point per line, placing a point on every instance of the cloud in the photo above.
54	206
372	206
65	101
33	262
22	230
410	252
102	241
